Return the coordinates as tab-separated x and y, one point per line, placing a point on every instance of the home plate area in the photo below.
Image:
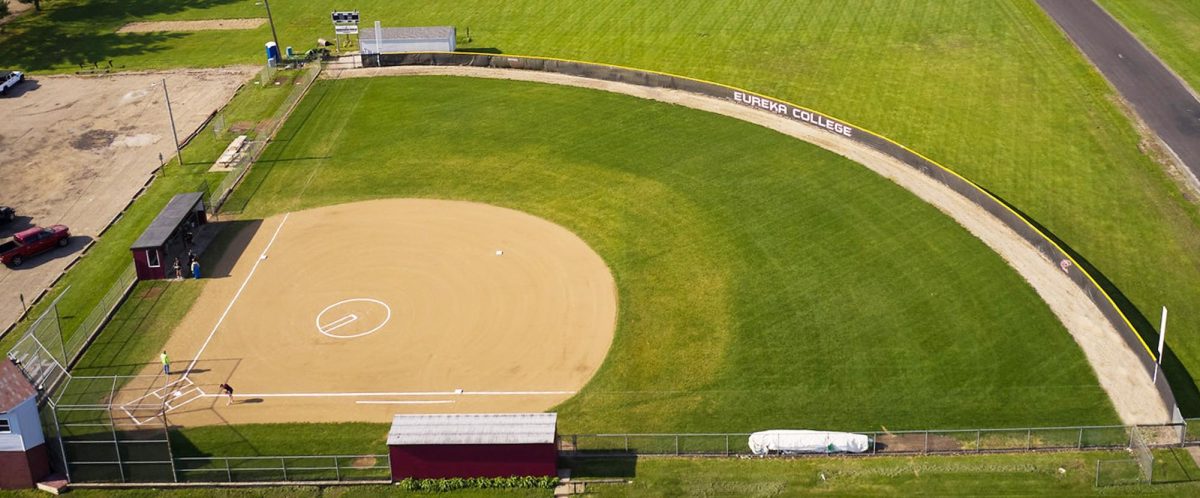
167	398
414	305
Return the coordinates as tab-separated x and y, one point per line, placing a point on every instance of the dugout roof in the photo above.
168	220
483	428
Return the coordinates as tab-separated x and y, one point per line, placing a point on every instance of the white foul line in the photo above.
430	393
260	259
432	402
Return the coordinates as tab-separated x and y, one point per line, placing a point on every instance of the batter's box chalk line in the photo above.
171	396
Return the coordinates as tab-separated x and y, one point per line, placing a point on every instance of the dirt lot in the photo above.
204	25
77	149
360	311
15	9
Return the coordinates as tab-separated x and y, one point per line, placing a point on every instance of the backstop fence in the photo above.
1049	249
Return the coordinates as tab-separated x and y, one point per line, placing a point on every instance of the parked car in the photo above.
31	242
9	79
7	214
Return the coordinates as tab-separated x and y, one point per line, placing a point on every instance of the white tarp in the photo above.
787	442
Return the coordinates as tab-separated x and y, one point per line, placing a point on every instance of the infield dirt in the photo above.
422	305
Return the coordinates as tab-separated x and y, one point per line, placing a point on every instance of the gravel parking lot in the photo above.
75	150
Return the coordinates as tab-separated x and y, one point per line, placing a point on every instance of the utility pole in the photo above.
274	37
178	151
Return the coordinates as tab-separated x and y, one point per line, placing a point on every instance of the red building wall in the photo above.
23	469
432	461
144	270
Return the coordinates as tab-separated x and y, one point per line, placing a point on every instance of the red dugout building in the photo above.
473	445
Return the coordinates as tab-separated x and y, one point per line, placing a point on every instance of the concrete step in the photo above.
55	484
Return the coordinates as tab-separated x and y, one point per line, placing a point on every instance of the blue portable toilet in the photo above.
289	53
272	51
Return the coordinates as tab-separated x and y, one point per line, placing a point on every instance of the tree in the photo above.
37	4
3	9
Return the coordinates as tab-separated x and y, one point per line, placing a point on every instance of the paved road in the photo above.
1158	97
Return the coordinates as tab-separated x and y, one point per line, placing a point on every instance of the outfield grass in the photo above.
991	89
763	282
1171	28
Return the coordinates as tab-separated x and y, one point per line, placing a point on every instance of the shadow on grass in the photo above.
480	50
84	33
623	466
1183	385
104	355
1174	469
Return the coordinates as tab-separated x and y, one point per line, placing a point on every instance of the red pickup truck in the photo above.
31	242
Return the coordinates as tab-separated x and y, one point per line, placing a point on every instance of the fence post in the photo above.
627	443
112	426
228	472
61	447
978	441
1079	445
926	450
677	444
727	445
574	444
874	441
337	472
283	465
1028	439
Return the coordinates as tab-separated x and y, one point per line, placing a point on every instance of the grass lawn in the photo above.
763	282
965	475
991	89
288	492
1171	28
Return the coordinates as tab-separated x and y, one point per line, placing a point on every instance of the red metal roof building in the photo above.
473	445
24	459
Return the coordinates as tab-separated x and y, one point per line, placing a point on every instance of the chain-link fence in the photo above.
254	148
335	468
892	442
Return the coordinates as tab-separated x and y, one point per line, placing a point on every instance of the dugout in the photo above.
24	459
169	236
436	446
380	40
